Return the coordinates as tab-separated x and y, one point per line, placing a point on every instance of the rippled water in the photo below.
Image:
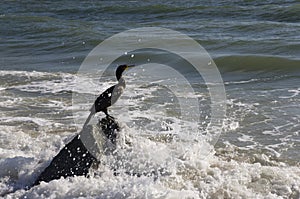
255	46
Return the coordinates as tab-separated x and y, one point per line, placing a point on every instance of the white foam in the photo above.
10	102
62	82
189	174
245	138
25	73
242	81
193	178
38	121
295	92
192	169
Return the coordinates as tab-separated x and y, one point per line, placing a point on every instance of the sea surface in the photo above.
256	47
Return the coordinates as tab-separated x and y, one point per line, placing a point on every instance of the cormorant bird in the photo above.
110	95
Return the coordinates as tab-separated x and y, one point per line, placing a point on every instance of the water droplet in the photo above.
132	56
125	53
139	40
148	60
83	42
209	63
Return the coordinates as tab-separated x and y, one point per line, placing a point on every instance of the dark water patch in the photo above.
257	63
282	13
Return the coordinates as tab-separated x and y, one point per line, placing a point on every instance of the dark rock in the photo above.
75	159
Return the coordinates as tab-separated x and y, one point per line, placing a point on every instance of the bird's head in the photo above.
121	69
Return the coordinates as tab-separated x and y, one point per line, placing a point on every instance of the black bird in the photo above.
110	95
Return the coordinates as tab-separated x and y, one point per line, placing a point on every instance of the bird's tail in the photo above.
88	119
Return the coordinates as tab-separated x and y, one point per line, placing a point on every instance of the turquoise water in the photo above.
256	46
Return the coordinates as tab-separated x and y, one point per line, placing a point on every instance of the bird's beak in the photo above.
130	66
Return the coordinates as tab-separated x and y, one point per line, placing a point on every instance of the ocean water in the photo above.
256	46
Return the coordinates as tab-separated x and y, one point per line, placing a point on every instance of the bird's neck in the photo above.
118	75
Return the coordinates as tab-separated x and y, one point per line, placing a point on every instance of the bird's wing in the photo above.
104	100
